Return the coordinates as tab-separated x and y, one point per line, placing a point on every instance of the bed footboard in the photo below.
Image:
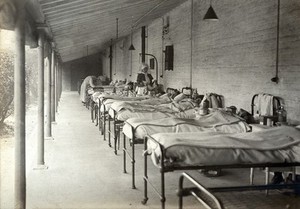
163	168
160	193
194	192
199	191
131	155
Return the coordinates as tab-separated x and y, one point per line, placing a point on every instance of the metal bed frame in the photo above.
170	168
216	202
118	125
133	142
101	119
276	101
276	104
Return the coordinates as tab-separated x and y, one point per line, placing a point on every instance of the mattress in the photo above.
275	145
217	121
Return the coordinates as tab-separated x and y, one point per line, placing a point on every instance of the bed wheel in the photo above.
144	201
211	173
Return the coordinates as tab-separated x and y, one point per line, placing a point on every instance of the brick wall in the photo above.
235	56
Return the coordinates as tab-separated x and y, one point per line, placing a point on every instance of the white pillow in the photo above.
179	97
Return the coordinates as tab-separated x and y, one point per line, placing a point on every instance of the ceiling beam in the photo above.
96	12
75	8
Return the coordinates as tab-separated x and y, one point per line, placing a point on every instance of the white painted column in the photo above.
40	134
48	93
53	66
19	108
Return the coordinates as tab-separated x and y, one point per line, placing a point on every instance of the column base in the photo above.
54	122
49	138
41	167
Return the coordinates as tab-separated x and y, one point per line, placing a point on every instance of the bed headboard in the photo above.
276	105
188	91
170	90
277	102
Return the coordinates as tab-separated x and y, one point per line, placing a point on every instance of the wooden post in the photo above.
55	85
48	92
60	81
19	108
40	134
52	86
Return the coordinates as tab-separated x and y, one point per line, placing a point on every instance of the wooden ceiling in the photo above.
81	27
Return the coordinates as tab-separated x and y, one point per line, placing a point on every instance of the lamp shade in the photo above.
131	47
210	14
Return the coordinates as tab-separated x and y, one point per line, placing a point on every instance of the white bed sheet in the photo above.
146	109
217	121
275	145
127	114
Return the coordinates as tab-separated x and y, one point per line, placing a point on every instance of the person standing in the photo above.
144	80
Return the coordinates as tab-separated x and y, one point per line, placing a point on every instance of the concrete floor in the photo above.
84	172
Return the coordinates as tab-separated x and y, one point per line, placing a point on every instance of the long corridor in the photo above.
83	172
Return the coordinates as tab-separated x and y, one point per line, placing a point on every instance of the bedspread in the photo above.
218	121
276	145
126	114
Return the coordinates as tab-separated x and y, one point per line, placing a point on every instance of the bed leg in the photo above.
133	165
179	193
251	175
163	198
115	137
267	179
103	127
294	173
92	111
144	201
99	121
109	130
115	134
96	114
124	154
119	139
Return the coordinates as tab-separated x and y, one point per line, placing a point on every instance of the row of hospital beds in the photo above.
177	139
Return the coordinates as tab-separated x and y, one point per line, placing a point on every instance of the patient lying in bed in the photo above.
216	121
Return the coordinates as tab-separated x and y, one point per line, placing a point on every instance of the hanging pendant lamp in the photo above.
131	48
210	14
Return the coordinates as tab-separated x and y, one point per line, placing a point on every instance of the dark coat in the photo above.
141	77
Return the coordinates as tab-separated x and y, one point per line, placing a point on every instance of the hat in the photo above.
144	65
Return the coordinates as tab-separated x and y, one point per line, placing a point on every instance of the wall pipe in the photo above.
276	78
192	23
